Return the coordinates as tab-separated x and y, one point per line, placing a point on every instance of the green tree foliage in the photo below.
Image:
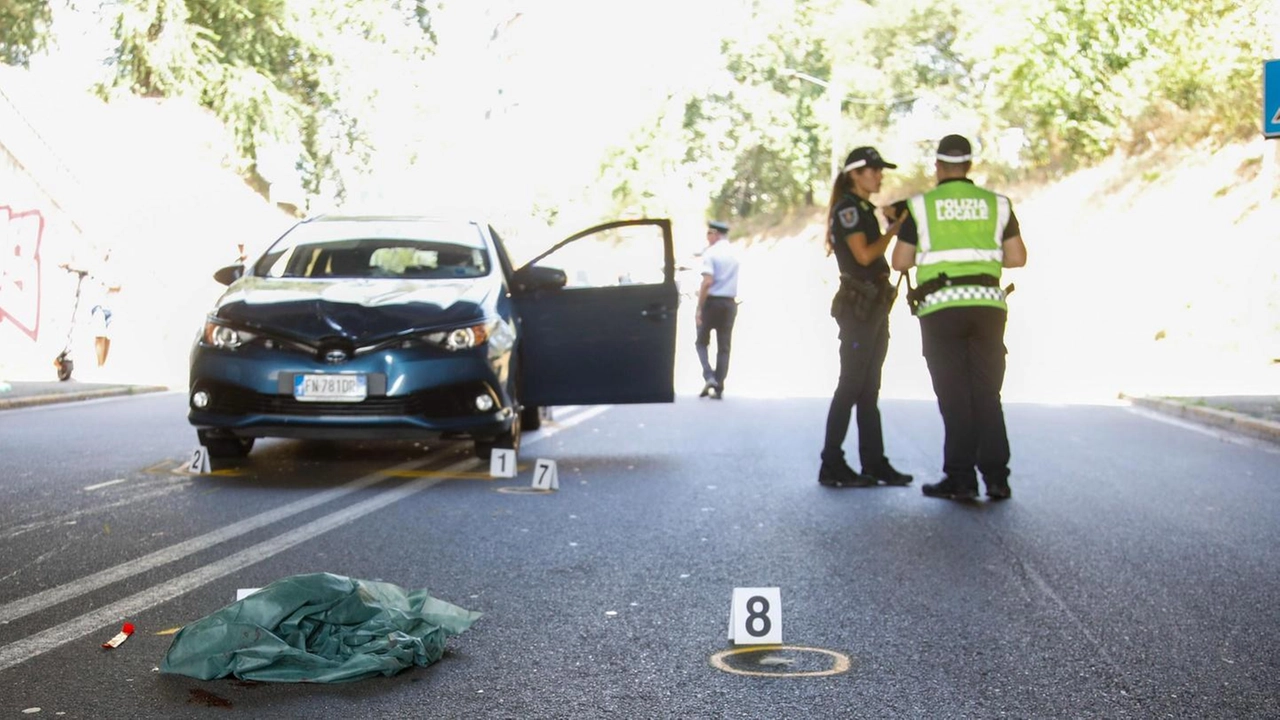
757	141
1070	80
24	28
274	71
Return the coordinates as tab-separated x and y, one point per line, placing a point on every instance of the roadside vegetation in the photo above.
1125	130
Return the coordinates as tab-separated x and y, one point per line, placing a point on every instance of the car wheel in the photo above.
531	418
509	440
222	447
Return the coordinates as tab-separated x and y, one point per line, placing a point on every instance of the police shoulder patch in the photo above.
848	216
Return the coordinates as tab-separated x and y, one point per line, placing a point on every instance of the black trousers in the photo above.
863	346
964	349
718	314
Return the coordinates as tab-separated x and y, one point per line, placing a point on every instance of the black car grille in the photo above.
452	401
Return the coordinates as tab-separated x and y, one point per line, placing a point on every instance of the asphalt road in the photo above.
1134	573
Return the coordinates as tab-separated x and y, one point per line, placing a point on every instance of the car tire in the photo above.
531	418
225	447
509	440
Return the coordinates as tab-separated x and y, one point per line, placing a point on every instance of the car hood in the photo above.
360	310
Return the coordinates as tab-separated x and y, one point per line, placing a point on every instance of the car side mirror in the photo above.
229	274
533	277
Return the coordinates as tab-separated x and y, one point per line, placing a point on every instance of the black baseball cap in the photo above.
717	225
866	156
955	149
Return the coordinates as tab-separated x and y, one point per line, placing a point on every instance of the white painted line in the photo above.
1233	437
75	515
30	647
23	650
108	483
52	596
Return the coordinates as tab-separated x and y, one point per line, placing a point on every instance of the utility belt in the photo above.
916	295
863	299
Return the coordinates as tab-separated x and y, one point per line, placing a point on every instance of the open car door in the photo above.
598	317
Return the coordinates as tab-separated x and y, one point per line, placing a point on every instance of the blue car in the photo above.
360	327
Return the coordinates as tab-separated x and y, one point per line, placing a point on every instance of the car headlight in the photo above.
221	336
462	338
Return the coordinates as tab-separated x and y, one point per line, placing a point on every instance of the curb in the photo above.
66	397
1225	419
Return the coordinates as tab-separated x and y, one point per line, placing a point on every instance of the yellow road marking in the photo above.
470	475
170	631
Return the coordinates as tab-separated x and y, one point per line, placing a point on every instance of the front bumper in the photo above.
249	393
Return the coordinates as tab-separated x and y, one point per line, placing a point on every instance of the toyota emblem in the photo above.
333	357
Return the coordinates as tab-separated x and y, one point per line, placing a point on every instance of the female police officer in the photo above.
861	308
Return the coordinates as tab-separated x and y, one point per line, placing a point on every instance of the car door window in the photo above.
626	255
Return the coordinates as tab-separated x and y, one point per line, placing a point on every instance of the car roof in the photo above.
390	218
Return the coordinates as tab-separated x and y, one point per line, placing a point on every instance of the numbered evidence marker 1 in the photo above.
545	476
199	461
755	616
502	463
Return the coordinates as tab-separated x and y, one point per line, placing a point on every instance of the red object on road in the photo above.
120	637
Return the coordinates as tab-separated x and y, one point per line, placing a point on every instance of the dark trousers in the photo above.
863	345
718	314
964	349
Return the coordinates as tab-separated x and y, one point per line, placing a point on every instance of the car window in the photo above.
378	249
627	255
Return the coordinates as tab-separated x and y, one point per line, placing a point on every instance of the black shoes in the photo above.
840	475
998	489
952	489
713	389
888	475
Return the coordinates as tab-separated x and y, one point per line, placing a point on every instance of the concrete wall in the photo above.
153	182
36	234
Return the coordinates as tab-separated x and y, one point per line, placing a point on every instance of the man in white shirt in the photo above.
717	306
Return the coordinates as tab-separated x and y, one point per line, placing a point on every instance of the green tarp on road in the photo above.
319	628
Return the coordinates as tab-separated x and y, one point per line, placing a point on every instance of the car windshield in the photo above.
378	248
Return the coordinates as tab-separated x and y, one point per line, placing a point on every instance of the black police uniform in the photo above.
965	352
864	339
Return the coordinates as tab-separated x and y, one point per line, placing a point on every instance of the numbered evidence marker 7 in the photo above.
545	476
199	461
502	463
755	616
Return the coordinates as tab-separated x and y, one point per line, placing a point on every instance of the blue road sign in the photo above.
1271	98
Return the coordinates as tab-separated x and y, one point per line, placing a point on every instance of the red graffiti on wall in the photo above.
20	235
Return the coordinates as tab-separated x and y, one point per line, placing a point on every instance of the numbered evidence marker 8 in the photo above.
545	476
755	616
199	461
502	463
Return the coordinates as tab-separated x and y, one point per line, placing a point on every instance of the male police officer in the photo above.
717	306
959	236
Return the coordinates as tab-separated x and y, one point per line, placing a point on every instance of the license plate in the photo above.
331	388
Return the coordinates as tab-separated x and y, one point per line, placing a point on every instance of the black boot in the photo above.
949	488
839	474
887	474
998	489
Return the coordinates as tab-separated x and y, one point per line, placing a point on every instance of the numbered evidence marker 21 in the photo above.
545	476
199	461
755	616
502	463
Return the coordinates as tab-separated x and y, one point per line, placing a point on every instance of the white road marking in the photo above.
23	650
20	651
108	483
1223	434
52	596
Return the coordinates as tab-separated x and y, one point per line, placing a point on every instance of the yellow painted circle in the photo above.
524	490
840	662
